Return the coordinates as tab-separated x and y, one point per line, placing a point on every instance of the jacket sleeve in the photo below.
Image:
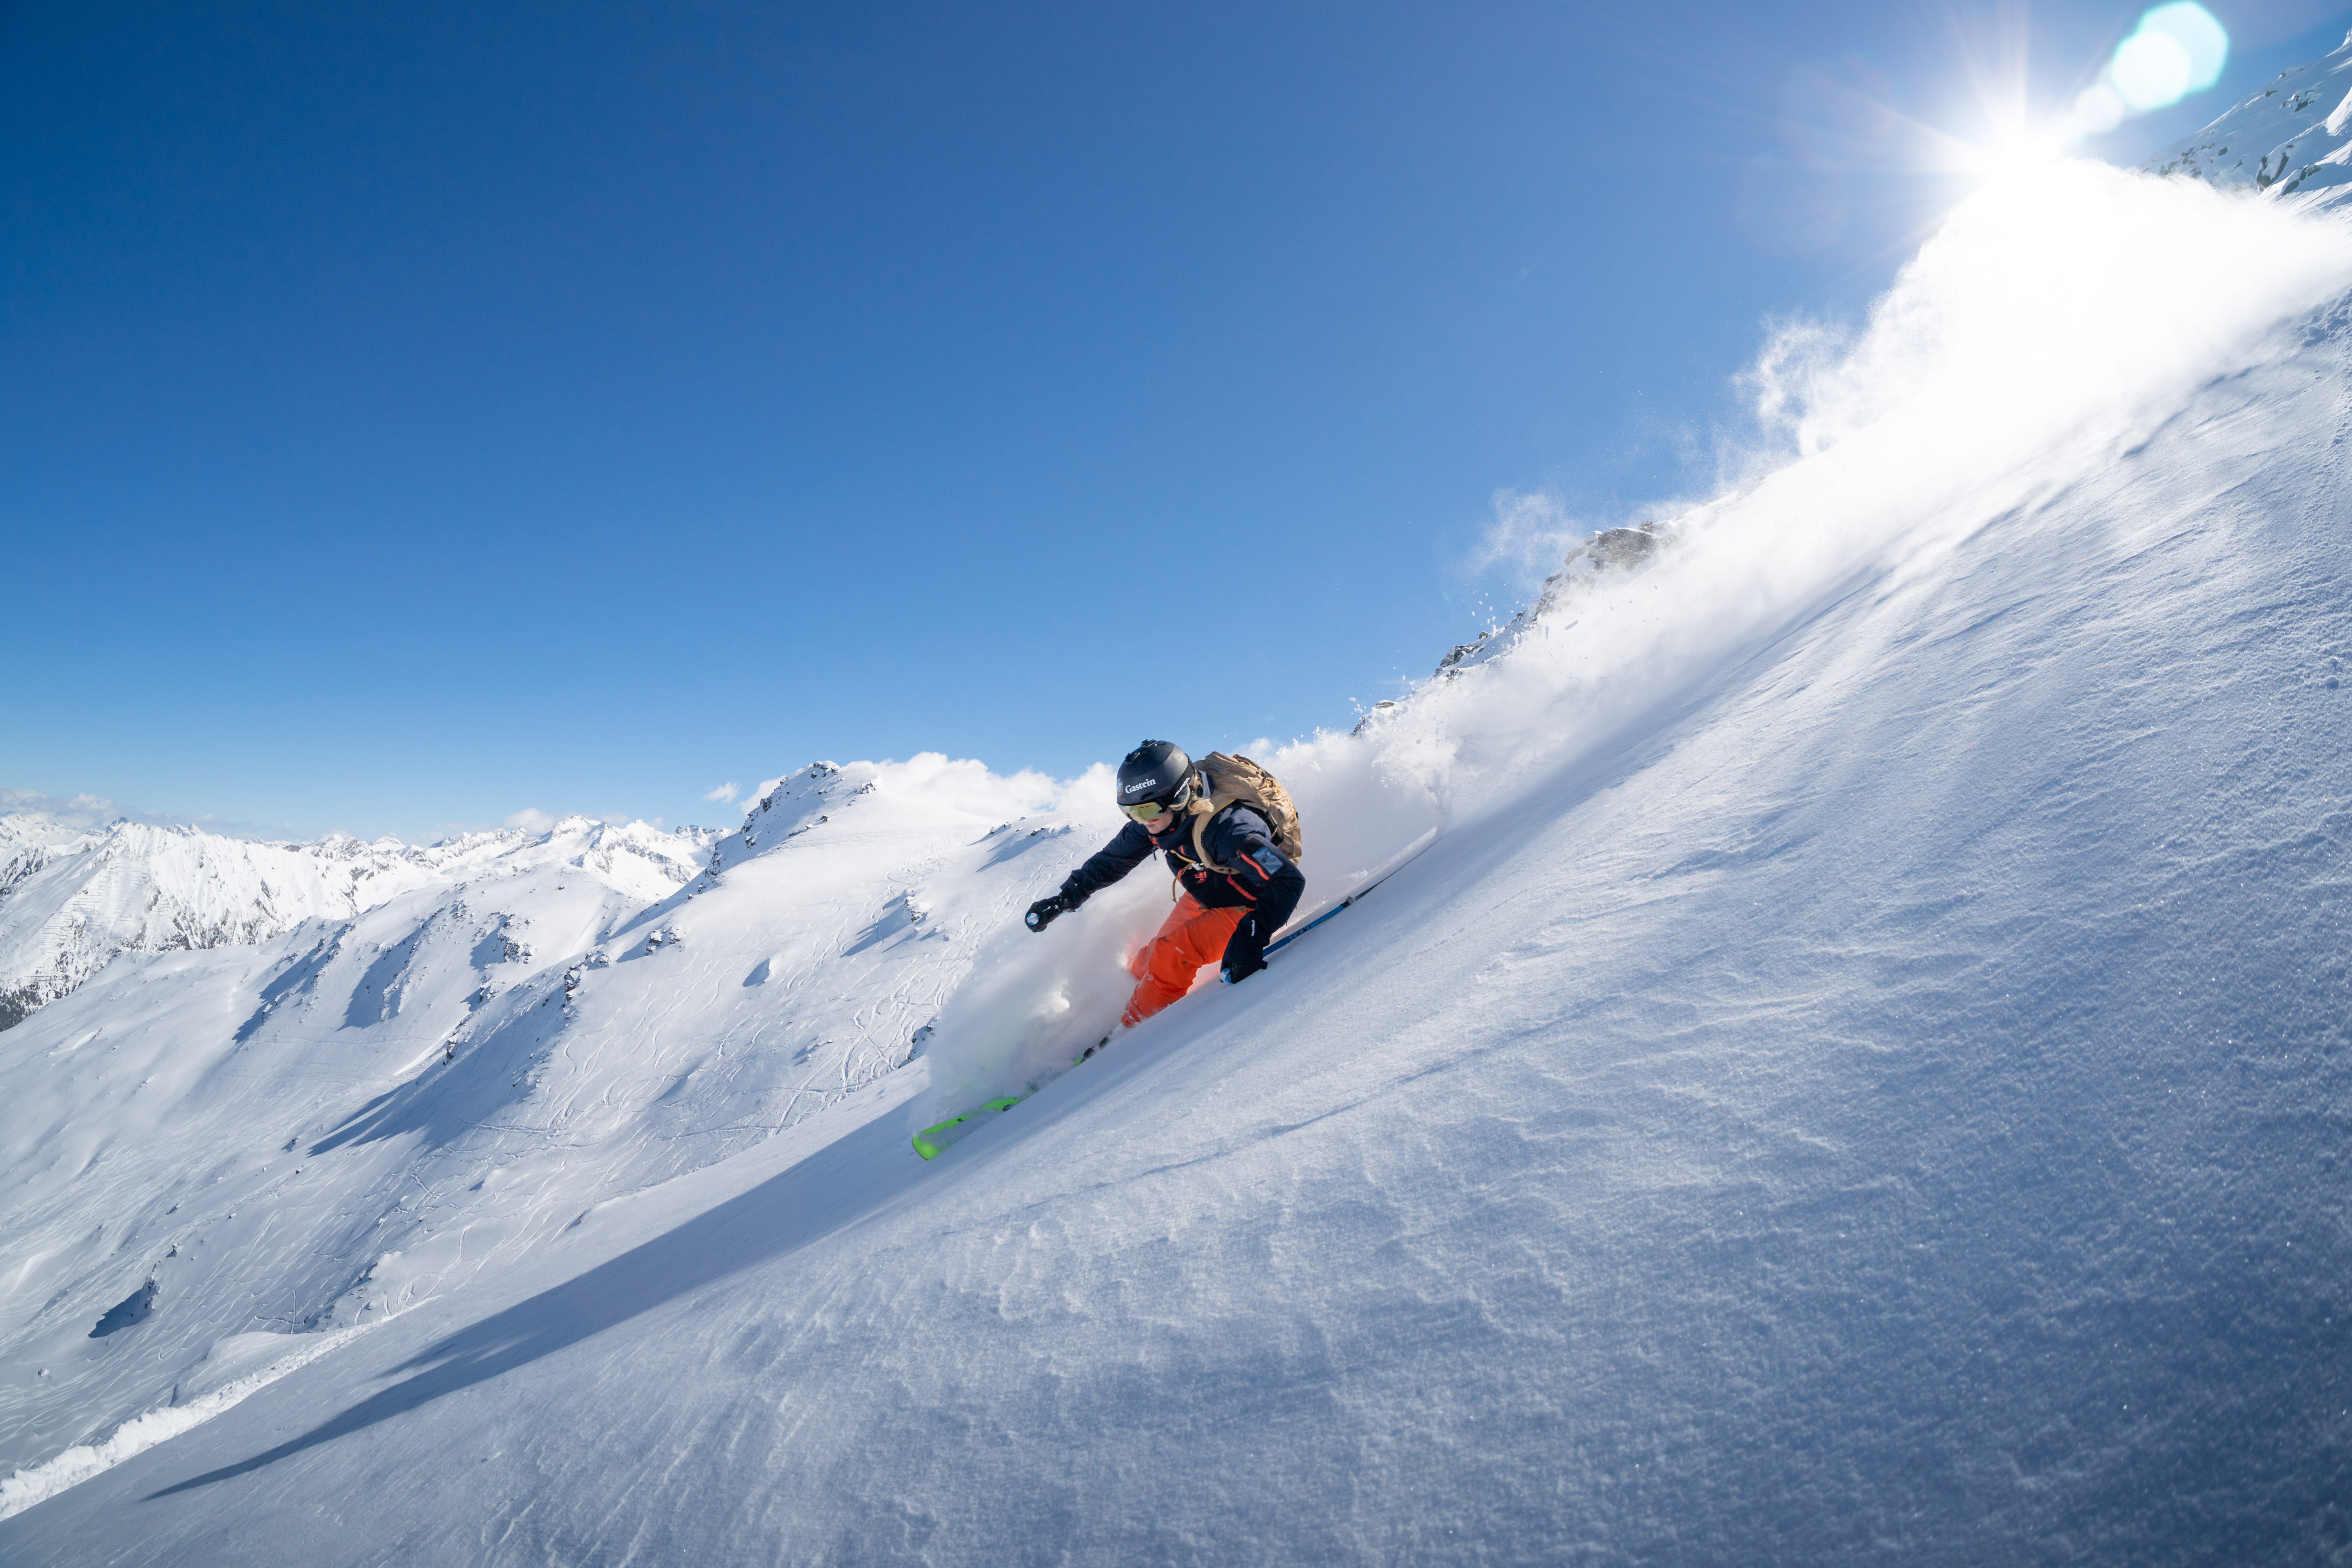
1129	848
1242	839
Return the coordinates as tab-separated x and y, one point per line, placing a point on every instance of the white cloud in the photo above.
530	819
88	811
720	792
80	810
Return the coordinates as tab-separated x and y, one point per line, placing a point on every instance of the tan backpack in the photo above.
1232	778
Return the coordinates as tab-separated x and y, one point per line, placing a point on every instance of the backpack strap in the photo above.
1203	811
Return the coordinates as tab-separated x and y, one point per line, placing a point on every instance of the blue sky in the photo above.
416	414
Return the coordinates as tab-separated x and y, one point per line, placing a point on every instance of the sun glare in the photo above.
2176	49
2012	153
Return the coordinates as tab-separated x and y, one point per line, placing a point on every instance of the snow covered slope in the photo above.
70	900
1860	1071
298	1135
2292	139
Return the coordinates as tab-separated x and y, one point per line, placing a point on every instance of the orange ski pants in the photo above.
1190	940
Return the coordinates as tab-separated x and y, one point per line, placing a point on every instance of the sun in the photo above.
2177	49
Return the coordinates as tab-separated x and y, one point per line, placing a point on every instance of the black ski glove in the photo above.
1245	950
1047	910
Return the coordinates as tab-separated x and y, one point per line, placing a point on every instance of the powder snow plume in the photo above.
2055	320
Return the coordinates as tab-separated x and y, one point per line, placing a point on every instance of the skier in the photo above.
1235	884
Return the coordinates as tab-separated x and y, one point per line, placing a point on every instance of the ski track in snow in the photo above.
1861	1075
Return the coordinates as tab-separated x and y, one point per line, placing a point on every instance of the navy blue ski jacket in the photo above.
1263	878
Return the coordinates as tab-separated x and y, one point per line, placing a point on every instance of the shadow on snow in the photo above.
833	1188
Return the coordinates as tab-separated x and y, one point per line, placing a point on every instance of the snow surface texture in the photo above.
1860	1074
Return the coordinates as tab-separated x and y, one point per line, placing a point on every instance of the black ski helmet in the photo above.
1156	770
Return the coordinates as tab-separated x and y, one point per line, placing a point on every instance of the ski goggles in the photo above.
1152	810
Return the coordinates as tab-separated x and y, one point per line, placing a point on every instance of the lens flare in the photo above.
2150	70
2177	49
2098	111
2203	40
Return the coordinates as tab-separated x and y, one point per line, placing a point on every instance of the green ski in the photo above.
931	1140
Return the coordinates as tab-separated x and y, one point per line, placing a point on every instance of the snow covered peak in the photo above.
2292	139
781	803
634	857
28	843
1608	556
928	790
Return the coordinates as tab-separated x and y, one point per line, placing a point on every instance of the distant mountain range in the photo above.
72	899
